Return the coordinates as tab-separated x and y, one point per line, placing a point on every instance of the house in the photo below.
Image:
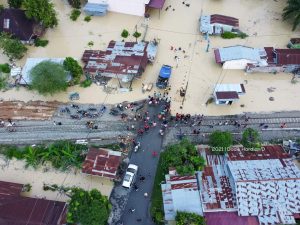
19	210
218	24
102	162
121	60
131	7
15	22
226	94
240	187
239	57
180	193
31	63
278	60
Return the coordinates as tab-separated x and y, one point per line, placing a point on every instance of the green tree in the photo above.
185	218
13	48
292	12
75	3
136	35
88	207
220	141
48	78
124	33
184	157
251	139
42	11
74	68
15	3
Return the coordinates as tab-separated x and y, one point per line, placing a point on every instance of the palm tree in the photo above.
292	11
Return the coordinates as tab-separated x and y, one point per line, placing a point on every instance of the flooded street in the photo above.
196	68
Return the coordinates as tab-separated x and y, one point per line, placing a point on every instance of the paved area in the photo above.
124	200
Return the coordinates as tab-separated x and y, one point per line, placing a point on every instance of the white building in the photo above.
226	94
238	57
218	24
131	7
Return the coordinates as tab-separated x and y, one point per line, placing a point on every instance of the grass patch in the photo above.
3	83
230	35
40	43
4	68
114	147
86	83
87	18
75	14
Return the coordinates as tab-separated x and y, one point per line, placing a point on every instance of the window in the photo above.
6	24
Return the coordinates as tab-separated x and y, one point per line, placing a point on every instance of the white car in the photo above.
130	175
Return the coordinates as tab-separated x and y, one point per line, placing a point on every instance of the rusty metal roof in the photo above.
102	162
18	210
227	20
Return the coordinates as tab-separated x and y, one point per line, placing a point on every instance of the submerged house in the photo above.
131	7
278	60
121	60
218	24
239	57
15	22
226	94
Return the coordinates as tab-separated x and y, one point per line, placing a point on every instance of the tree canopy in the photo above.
251	139
15	3
42	11
292	12
11	47
88	208
48	78
220	141
184	157
74	68
185	218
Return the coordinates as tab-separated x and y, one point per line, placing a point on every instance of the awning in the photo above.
156	4
165	71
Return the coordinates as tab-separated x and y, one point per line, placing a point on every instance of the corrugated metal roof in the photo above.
226	95
18	210
229	218
181	193
102	162
239	52
239	88
227	20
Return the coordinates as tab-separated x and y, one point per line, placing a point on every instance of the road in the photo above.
130	199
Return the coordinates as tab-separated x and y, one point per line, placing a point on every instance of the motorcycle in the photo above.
136	148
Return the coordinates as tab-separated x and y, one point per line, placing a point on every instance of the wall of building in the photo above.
131	7
236	64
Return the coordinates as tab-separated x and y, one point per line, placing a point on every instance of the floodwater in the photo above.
16	173
196	68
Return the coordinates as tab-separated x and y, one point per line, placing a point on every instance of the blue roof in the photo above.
95	9
241	52
165	71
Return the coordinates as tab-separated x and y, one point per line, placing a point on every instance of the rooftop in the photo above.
17	24
18	210
239	88
226	95
119	59
229	218
180	193
102	162
239	52
227	20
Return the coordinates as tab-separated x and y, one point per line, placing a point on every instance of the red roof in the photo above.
18	210
216	18
288	56
282	56
121	58
224	95
102	162
229	218
267	152
217	56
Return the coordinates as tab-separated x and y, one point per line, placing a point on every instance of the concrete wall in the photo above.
131	7
236	64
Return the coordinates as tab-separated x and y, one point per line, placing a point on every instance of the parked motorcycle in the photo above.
136	148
